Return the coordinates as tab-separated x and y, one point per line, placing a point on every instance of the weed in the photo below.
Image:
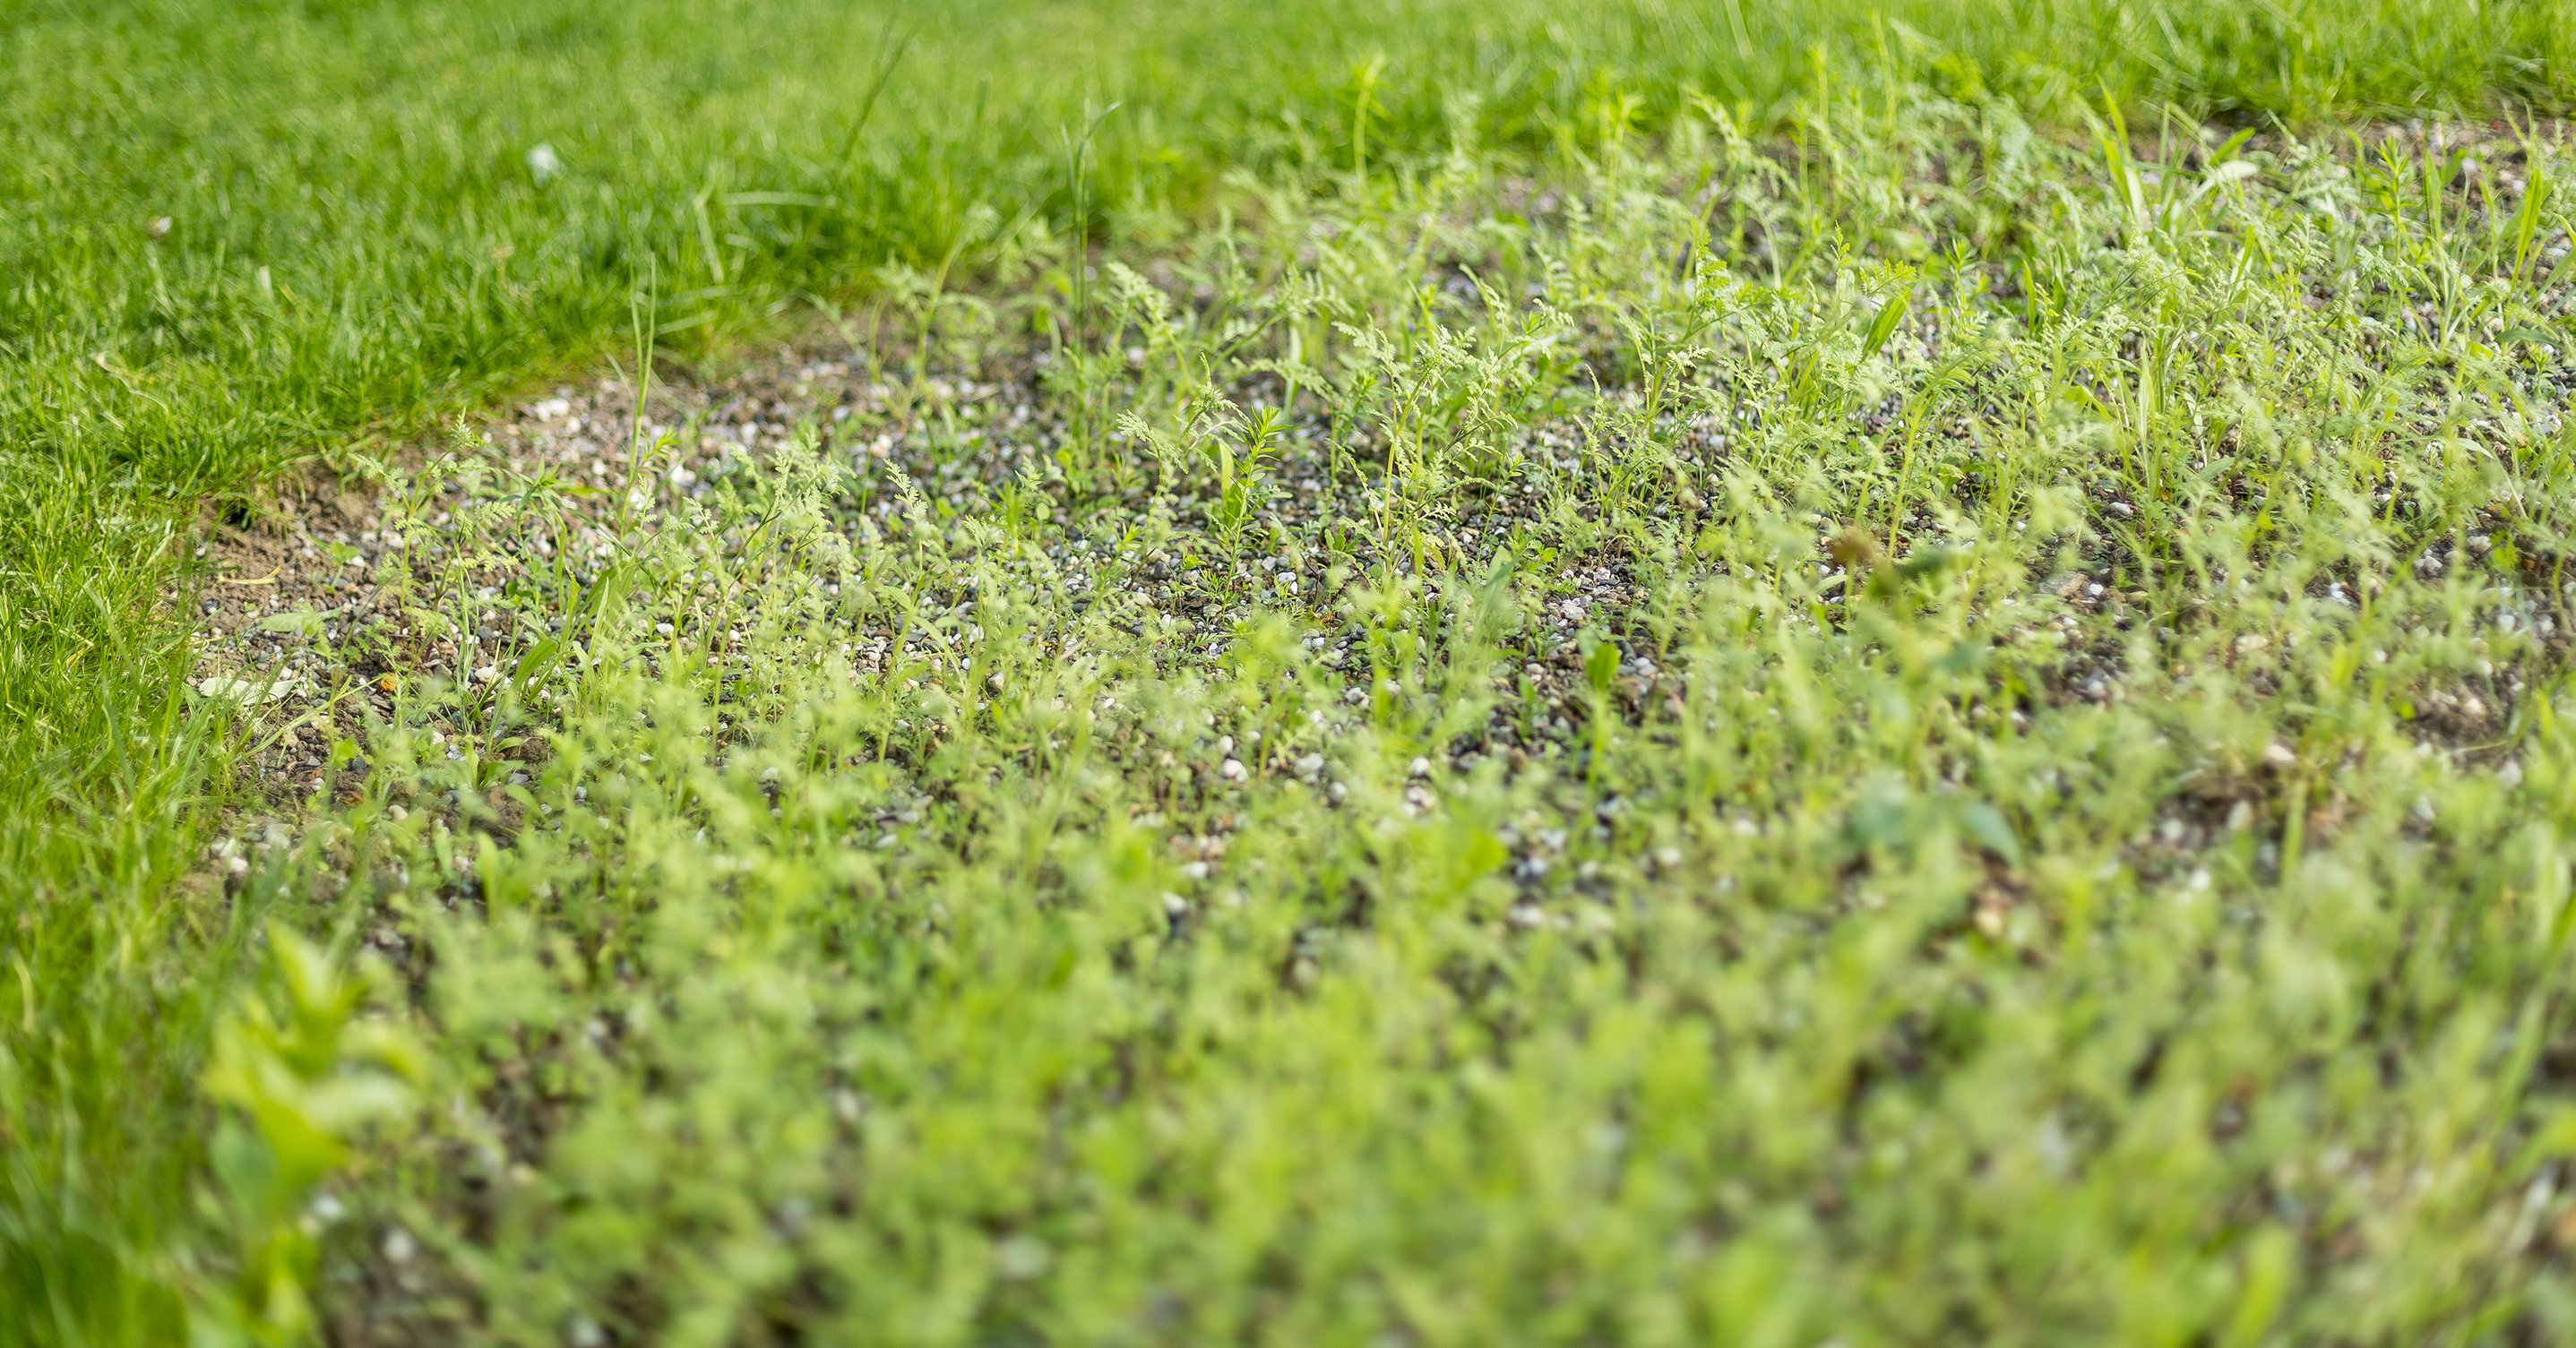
1691	825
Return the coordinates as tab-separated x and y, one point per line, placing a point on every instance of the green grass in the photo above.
1811	1095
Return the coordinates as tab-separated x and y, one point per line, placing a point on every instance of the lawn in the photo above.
1312	673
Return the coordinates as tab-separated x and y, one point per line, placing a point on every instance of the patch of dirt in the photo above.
318	563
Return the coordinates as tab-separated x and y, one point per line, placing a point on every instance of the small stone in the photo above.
234	688
2278	755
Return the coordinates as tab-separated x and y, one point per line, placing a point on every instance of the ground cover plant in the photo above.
1499	685
1983	768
